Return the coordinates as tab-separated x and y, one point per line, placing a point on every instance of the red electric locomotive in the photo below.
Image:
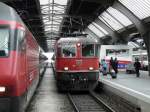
77	63
19	60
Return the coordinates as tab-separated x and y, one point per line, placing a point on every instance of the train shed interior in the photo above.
111	22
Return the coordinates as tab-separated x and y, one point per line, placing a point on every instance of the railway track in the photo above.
88	103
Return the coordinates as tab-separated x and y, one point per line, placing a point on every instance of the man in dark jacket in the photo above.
137	66
116	65
111	64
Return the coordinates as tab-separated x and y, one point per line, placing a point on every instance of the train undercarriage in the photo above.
77	81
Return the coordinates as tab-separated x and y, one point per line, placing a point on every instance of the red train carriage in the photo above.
19	60
77	63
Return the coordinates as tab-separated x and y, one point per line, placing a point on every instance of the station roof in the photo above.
67	17
51	19
81	13
62	18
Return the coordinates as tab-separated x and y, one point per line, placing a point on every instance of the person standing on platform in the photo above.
111	64
116	65
104	67
137	66
112	68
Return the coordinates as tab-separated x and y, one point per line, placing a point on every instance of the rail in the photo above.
88	103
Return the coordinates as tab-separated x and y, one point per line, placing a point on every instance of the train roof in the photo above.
8	13
80	39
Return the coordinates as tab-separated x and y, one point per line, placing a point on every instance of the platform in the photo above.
47	98
136	90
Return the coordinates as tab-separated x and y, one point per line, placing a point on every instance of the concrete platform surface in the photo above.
128	86
47	98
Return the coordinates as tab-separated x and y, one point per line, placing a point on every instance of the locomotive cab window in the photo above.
69	51
88	50
4	41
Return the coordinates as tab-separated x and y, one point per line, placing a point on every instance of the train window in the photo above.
4	41
68	51
21	39
21	35
117	52
87	50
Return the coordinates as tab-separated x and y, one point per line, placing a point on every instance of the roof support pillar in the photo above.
143	30
146	38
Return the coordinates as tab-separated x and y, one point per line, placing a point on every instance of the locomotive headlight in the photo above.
91	68
2	89
78	44
66	68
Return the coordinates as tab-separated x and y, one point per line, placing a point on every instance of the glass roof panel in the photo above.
96	31
141	8
110	21
53	11
43	2
100	28
45	17
90	36
105	22
63	2
55	29
119	16
45	20
47	29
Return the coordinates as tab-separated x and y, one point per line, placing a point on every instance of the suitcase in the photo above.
104	72
113	74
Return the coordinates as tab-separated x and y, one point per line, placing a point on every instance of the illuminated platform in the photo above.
47	98
128	86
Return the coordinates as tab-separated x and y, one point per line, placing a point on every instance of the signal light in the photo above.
78	44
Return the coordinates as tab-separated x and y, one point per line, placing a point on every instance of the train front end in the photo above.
77	64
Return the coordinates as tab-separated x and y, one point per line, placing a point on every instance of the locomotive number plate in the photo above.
78	62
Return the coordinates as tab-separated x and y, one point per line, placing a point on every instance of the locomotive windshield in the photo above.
4	40
88	50
69	50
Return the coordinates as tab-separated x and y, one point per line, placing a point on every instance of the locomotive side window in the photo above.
21	40
4	41
88	50
69	51
21	35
